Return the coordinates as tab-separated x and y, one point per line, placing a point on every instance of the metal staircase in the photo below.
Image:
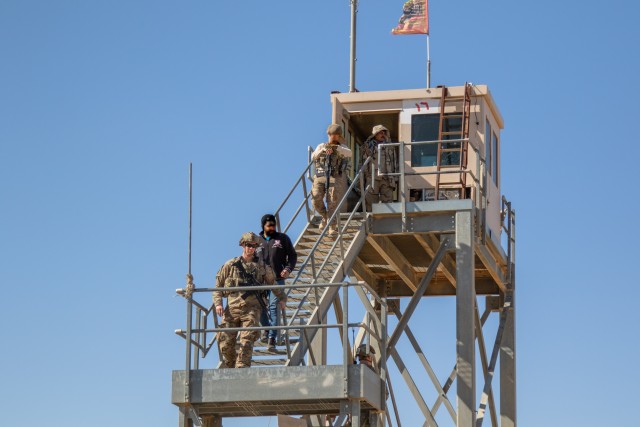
320	260
400	250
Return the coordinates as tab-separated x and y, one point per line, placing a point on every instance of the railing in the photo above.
201	331
196	335
300	182
311	258
508	224
478	177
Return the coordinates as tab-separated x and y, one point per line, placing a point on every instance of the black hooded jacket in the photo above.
278	252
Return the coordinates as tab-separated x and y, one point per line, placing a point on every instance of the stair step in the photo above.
263	352
307	305
268	362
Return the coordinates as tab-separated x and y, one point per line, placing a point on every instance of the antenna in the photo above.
190	287
190	204
352	62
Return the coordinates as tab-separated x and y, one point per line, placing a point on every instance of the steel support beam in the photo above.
413	388
508	368
393	403
430	244
392	255
354	405
487	370
343	415
492	266
364	273
318	345
418	295
465	320
452	376
211	421
183	417
430	372
397	288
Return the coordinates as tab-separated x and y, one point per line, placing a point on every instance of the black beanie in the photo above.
268	218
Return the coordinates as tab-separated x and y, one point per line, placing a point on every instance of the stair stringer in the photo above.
321	309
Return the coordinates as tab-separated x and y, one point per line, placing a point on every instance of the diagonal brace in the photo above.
485	368
447	385
486	392
422	287
430	372
413	388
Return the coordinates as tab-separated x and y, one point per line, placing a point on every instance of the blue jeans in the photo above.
274	312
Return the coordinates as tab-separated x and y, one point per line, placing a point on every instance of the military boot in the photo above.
323	223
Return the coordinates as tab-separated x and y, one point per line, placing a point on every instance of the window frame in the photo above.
414	148
487	146
495	151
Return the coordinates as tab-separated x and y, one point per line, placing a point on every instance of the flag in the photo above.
414	19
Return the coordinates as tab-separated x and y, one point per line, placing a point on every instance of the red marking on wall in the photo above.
426	105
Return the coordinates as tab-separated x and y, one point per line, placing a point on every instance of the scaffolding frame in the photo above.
452	236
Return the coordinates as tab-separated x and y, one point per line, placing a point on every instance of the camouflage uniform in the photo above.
241	312
384	185
338	179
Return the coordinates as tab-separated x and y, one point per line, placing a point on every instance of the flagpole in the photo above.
428	62
352	66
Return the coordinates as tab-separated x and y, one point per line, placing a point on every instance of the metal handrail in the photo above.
262	287
202	310
508	213
362	325
358	180
201	331
301	179
357	177
479	177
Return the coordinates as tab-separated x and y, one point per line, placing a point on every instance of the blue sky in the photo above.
103	104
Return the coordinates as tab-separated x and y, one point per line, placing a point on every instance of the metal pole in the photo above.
187	381
345	339
352	68
428	61
190	205
196	353
465	319
508	369
401	194
383	352
508	413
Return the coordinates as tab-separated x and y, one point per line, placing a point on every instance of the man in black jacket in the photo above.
277	251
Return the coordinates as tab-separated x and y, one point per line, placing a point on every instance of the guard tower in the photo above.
449	233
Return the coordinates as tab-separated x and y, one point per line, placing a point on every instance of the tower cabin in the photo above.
448	232
467	116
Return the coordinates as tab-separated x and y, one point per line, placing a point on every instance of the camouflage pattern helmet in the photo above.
334	129
362	351
249	237
379	128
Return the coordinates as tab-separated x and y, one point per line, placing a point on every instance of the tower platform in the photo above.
291	390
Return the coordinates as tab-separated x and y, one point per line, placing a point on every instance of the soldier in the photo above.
384	185
364	356
339	156
243	308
